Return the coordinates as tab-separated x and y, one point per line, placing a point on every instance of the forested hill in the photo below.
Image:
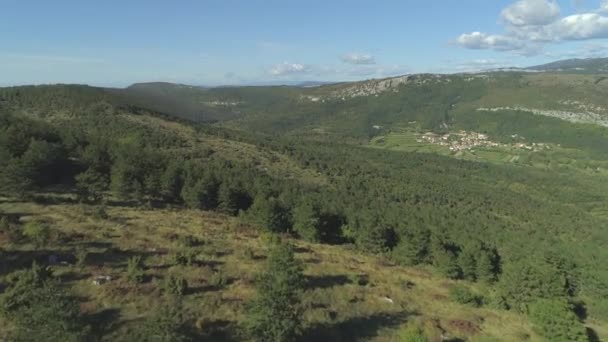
376	167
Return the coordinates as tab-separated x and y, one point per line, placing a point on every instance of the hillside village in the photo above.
463	140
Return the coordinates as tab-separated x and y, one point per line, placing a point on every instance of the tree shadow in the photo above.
104	322
17	260
580	310
592	335
114	257
217	331
210	287
326	281
354	329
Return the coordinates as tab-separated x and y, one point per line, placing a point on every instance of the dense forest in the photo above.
526	235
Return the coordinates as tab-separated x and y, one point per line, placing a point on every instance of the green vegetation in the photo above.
275	314
94	177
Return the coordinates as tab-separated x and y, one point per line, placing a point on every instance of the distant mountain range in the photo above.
580	65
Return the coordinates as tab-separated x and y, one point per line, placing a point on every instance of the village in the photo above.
463	140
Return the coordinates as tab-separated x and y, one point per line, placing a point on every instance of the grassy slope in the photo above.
332	271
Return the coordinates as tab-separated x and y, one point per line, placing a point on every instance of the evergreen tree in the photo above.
523	283
467	260
556	321
172	180
445	258
200	193
267	214
91	184
165	324
413	247
275	315
228	199
487	265
306	221
41	310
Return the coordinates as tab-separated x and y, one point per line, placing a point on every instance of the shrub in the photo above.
37	232
218	280
461	294
188	241
166	324
185	257
100	213
556	321
135	270
175	285
412	334
40	309
81	257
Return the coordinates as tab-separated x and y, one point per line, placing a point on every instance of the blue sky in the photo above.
116	43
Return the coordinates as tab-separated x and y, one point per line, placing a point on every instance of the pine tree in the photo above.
275	314
166	324
41	310
91	184
267	214
557	321
468	262
413	247
306	221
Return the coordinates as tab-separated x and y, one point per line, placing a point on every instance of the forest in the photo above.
513	239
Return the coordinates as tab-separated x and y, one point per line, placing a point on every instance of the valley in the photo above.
461	207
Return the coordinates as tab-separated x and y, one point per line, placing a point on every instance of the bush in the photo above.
37	232
461	294
100	213
166	324
185	257
218	280
40	309
90	185
175	285
412	334
556	321
81	257
188	241
135	270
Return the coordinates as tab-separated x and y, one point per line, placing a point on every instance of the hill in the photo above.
485	183
585	65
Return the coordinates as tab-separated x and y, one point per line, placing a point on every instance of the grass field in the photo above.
556	158
349	296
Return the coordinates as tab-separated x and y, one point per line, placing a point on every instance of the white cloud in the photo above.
579	27
531	12
480	40
286	68
358	58
532	24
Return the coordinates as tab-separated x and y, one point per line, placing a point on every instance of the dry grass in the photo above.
347	296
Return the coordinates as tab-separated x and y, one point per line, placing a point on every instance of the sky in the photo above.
228	42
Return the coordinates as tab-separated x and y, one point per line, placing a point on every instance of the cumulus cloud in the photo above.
287	68
531	24
358	58
531	12
579	27
480	40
